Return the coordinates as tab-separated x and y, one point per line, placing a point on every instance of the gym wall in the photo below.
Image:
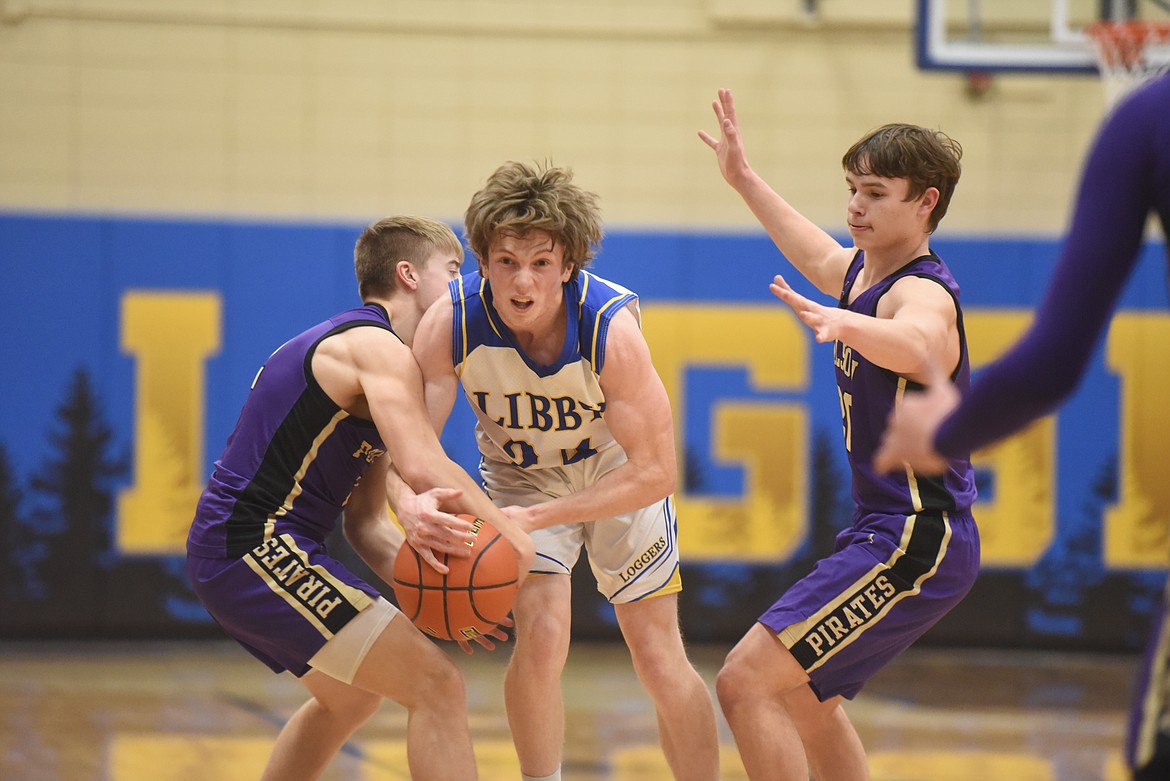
181	184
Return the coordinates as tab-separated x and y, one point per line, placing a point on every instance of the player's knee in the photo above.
659	670
438	686
366	706
448	682
355	707
542	646
732	683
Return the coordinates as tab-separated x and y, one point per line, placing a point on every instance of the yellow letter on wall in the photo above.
170	335
1136	528
1017	526
768	439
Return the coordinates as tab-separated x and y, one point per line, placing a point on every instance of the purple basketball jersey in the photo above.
868	393
256	549
293	457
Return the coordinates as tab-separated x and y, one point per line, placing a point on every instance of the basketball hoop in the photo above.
1129	53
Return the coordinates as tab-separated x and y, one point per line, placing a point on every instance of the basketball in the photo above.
471	599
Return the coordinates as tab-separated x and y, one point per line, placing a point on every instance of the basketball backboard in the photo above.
1010	35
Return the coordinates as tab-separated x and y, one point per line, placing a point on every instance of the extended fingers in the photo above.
428	555
448	526
496	633
727	106
487	640
724	108
781	289
455	540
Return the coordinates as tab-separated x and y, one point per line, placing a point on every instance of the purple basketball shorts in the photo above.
890	579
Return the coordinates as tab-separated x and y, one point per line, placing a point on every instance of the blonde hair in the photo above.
392	239
520	198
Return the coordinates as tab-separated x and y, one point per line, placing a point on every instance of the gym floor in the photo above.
206	710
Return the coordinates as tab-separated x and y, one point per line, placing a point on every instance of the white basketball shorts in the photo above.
633	556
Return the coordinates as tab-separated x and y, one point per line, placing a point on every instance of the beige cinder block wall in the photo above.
351	109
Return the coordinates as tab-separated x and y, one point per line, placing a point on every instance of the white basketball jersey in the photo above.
534	416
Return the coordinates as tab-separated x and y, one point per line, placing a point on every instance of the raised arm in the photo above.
814	253
637	411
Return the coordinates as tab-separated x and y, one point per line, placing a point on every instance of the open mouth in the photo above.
521	305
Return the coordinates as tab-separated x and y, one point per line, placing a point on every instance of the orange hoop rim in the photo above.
1128	28
1121	43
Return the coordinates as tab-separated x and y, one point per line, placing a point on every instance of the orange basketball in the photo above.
470	600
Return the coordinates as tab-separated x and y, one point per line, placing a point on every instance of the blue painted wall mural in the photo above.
132	343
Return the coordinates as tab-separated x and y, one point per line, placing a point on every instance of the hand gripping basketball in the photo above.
471	599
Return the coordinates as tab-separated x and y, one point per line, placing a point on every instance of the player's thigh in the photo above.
342	654
405	666
650	622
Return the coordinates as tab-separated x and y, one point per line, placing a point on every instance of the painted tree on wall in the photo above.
19	553
832	502
76	491
712	586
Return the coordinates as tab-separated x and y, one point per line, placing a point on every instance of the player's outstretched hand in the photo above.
488	641
729	151
820	318
910	431
429	530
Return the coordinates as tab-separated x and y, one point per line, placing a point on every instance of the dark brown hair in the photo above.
926	158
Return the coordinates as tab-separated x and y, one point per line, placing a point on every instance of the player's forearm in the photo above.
396	488
901	347
803	243
435	470
1033	377
630	487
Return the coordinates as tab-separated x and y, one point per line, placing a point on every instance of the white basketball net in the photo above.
1129	53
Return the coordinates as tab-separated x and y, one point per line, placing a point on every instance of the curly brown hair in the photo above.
519	198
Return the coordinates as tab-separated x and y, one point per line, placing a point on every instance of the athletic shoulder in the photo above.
595	288
599	297
467	287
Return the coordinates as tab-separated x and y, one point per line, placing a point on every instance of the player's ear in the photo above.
929	199
406	274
